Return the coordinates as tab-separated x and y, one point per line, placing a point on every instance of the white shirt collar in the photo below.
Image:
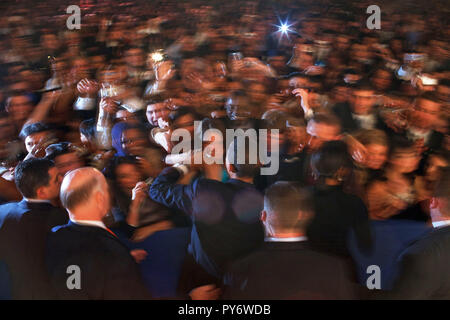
91	223
439	224
36	200
291	239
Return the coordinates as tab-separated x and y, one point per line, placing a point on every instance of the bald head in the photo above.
86	189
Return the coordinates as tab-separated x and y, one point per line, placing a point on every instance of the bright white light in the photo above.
284	28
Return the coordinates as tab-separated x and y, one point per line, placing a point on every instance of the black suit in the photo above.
424	268
290	270
23	231
225	216
108	271
349	124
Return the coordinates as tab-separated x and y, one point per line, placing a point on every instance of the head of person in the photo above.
436	163
35	133
382	79
287	210
38	179
440	203
155	110
19	107
133	140
426	111
322	128
276	120
363	99
377	146
134	57
65	155
241	159
332	164
85	194
183	118
87	134
403	156
238	106
124	172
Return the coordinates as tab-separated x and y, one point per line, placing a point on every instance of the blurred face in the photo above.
257	93
156	111
425	114
340	94
135	58
382	80
363	101
128	175
81	68
20	108
133	142
67	162
34	139
405	161
184	122
377	156
320	133
435	166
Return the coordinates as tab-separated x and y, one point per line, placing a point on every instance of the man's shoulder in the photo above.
432	242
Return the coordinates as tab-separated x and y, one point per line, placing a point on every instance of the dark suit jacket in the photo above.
290	271
226	224
349	124
108	271
23	230
338	213
424	268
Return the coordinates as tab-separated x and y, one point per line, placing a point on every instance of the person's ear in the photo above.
263	216
230	168
41	192
434	203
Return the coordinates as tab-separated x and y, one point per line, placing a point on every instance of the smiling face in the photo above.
19	107
377	156
363	101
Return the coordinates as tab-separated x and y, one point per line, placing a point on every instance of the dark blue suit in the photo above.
108	271
225	217
24	227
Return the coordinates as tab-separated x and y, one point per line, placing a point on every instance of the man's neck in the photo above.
243	179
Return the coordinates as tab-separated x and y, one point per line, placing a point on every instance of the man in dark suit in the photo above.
24	227
424	265
225	216
86	260
286	267
359	112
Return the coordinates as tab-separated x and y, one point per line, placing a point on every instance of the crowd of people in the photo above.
91	177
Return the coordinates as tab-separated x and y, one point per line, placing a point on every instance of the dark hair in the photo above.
32	174
332	156
33	128
58	149
110	170
87	128
399	144
327	119
182	111
245	169
282	202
